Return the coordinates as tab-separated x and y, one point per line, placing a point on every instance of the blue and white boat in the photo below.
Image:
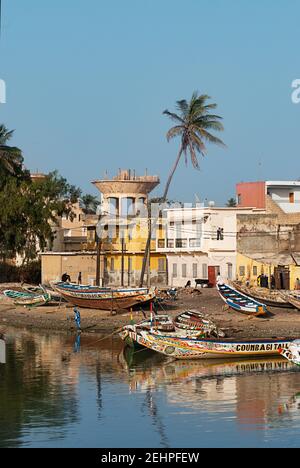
240	302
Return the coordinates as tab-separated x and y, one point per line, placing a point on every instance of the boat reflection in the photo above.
250	389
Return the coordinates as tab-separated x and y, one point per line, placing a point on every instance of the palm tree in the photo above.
231	202
11	158
193	125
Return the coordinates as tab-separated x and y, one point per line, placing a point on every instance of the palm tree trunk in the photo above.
150	231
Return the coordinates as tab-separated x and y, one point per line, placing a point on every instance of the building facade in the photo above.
199	243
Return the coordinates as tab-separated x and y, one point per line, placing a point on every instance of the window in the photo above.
181	243
171	223
292	197
174	270
161	243
112	264
161	264
255	270
195	270
204	271
183	269
170	243
195	243
239	199
242	271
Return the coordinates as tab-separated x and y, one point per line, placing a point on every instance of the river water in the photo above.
66	391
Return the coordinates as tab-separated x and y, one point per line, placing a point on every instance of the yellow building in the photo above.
122	232
283	267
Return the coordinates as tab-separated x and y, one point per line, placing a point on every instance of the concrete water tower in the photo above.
126	193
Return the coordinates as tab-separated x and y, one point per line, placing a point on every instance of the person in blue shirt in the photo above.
77	318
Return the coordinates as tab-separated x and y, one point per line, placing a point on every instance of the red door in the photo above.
212	275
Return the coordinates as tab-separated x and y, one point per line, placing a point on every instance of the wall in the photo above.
280	195
203	261
251	194
131	276
54	265
249	265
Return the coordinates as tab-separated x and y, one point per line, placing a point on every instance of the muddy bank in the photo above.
278	323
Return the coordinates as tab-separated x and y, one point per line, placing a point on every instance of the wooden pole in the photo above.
122	261
98	260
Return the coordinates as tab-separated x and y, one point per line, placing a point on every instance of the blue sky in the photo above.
87	82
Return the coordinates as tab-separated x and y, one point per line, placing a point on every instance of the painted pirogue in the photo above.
240	302
27	299
190	323
194	348
268	297
93	297
292	352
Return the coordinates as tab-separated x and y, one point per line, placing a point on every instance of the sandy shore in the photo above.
278	323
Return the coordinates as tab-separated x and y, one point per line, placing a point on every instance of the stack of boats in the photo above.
85	296
199	339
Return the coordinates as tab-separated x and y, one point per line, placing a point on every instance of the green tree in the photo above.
90	203
29	212
194	123
11	159
231	202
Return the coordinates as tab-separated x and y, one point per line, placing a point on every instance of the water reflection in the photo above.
55	388
2	350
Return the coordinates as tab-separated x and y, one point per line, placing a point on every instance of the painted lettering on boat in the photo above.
260	347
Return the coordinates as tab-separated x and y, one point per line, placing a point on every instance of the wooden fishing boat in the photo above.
292	298
195	320
27	299
61	286
240	302
292	352
107	300
268	297
187	324
194	348
55	296
65	286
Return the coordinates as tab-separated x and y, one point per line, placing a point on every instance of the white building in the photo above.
286	194
199	243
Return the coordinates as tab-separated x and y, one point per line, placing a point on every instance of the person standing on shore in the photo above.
79	278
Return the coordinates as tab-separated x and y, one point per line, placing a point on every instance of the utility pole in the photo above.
122	259
98	247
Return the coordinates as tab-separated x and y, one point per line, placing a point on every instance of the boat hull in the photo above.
108	301
180	348
27	299
240	302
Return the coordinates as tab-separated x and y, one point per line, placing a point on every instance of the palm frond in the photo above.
174	131
183	107
211	138
173	116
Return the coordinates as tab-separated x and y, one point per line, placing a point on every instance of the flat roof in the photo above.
284	183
